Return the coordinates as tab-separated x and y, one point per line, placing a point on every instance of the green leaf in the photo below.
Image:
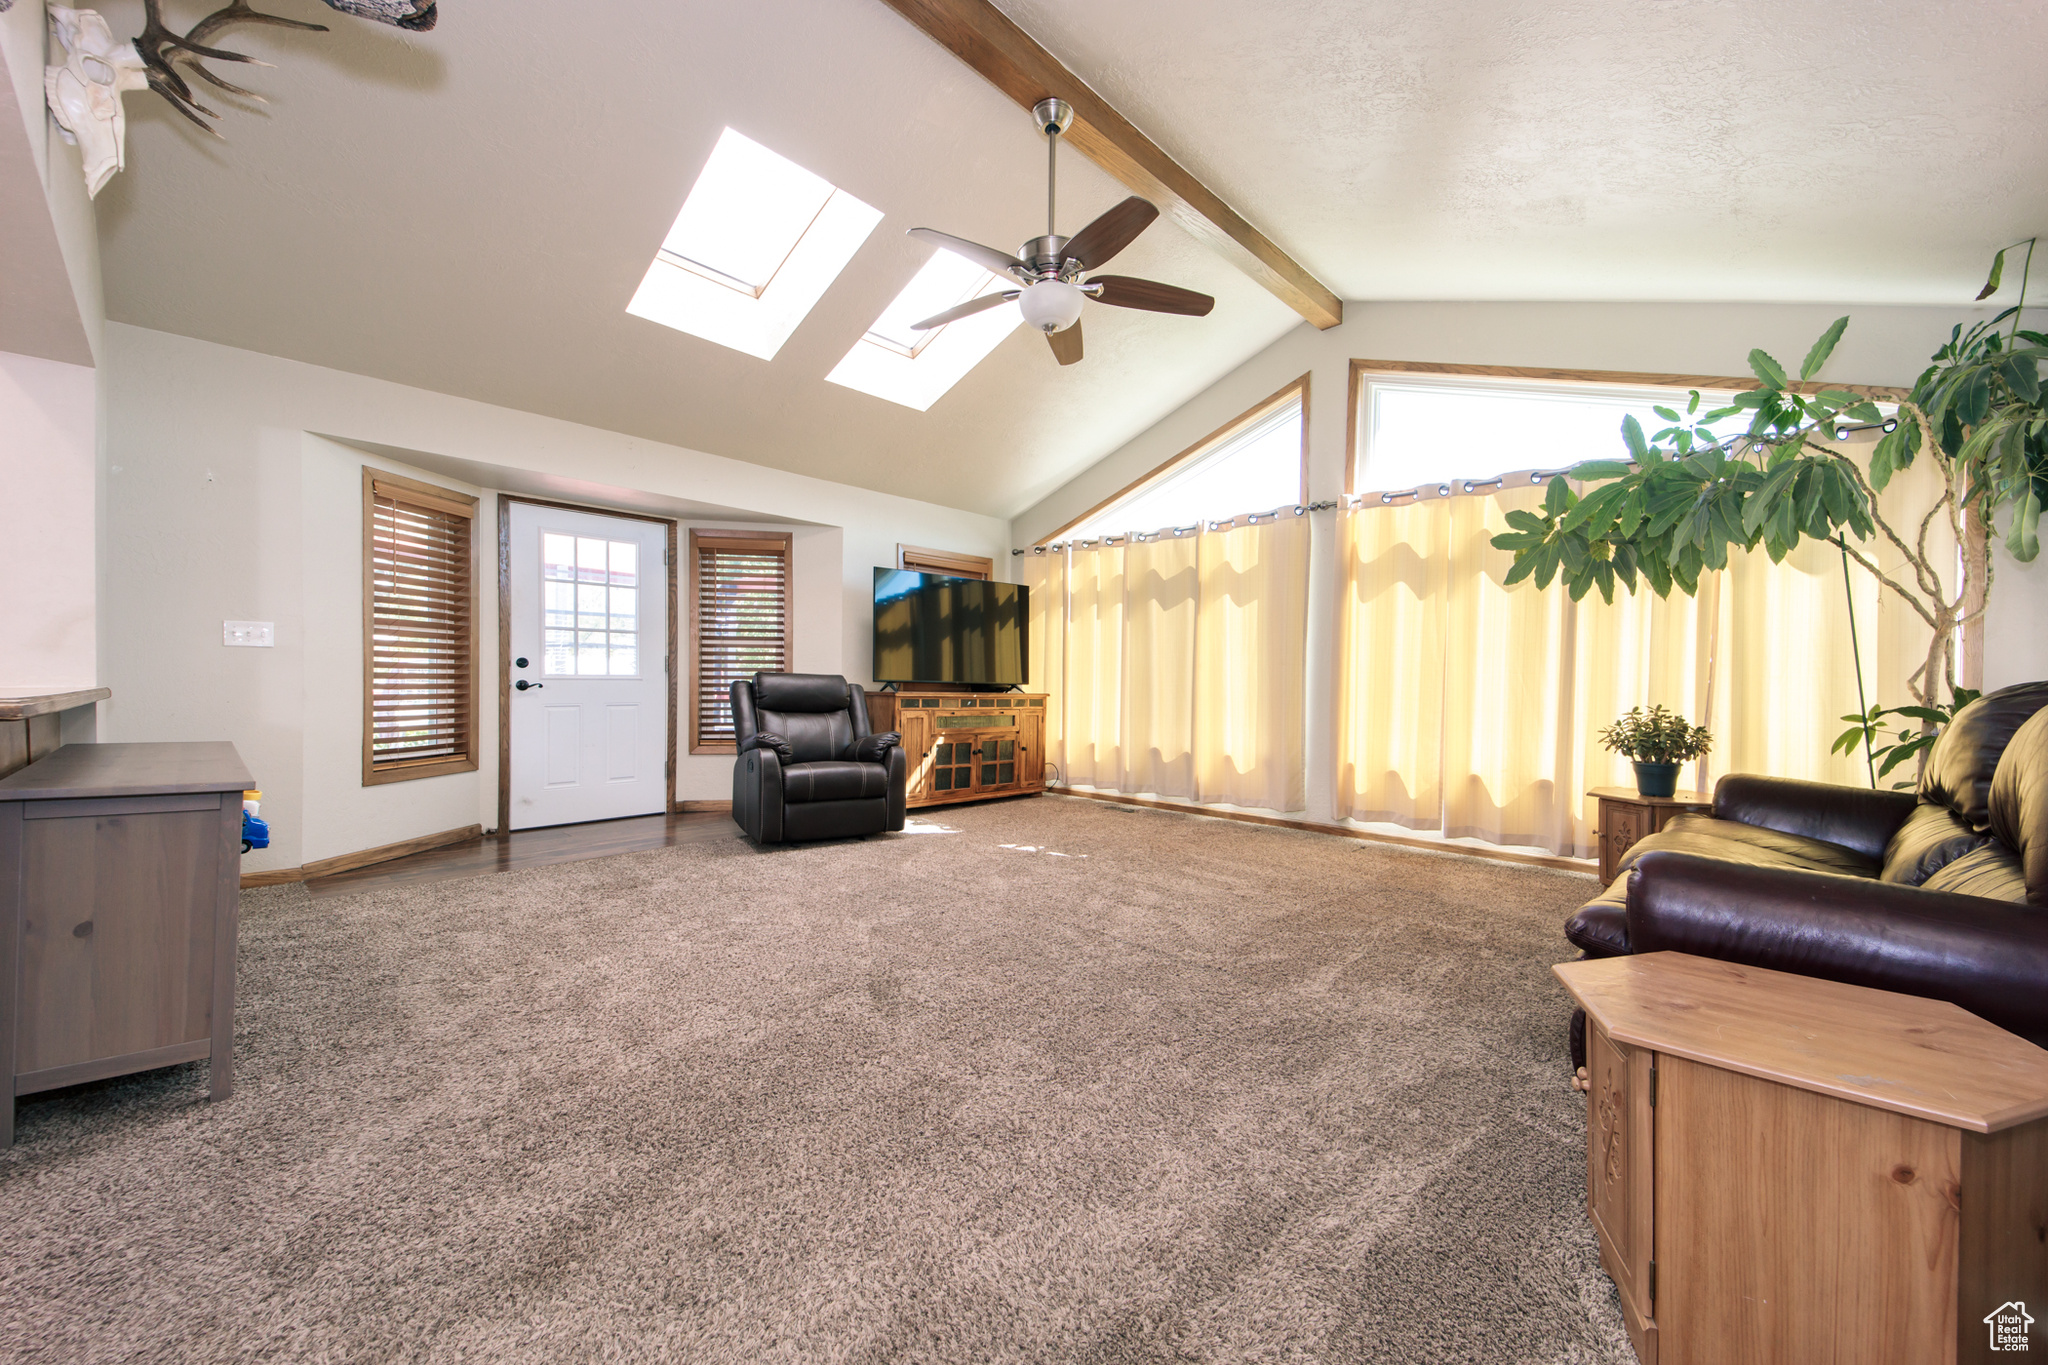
1668	414
1523	567
1522	519
1997	270
2023	376
1766	369
1558	498
1592	471
1632	433
1764	501
1596	511
1722	414
1822	349
2024	540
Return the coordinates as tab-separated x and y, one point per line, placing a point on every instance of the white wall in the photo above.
47	594
1883	345
2016	623
225	499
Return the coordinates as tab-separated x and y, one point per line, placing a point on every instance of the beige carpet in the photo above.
1067	1083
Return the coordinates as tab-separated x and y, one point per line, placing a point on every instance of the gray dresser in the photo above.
120	878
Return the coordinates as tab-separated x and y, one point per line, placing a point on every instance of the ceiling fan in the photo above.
1047	268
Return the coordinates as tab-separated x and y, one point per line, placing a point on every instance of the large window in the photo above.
739	624
1417	429
419	630
1255	462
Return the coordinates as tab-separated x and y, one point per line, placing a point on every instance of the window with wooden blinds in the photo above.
419	630
739	624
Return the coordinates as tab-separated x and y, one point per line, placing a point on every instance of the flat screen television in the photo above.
933	629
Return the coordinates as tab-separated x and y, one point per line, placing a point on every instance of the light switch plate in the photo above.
248	634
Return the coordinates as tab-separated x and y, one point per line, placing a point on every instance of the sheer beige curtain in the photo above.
1162	594
1474	708
1391	643
1508	689
1185	661
1095	655
1251	660
1046	576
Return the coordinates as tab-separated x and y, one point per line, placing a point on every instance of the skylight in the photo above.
916	368
757	243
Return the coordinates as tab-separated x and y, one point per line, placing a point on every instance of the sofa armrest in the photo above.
757	794
899	782
1988	956
1854	817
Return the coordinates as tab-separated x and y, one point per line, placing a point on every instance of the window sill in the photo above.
407	771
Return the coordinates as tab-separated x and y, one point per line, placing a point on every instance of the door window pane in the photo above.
590	607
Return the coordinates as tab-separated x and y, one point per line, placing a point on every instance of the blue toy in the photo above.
255	832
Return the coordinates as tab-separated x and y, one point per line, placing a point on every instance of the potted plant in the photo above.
1657	741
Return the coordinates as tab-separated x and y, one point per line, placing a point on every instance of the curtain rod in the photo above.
1146	537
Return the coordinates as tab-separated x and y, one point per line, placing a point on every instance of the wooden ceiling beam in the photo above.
1006	56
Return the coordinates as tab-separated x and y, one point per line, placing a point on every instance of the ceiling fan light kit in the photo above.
1048	269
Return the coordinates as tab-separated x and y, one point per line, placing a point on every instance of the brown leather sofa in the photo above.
1939	892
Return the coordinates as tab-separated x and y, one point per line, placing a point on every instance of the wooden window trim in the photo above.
431	497
1298	387
918	559
782	542
1361	370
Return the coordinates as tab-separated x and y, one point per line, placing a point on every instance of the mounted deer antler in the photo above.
162	50
84	94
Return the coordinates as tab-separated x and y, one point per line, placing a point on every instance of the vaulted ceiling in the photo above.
469	210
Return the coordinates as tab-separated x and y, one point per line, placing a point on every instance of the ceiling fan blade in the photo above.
1121	291
1112	232
1066	343
1002	262
961	310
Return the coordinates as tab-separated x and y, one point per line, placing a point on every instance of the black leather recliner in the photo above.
809	766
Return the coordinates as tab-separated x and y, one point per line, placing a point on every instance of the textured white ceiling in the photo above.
468	210
1865	151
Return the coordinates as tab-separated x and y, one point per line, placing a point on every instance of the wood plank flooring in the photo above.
531	848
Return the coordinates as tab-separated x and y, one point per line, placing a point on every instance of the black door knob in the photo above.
519	663
523	684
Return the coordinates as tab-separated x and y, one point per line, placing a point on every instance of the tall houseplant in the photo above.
1687	496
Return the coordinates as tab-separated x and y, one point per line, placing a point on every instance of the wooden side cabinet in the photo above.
120	879
1782	1170
965	746
1628	817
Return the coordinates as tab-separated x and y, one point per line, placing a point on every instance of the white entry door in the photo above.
589	693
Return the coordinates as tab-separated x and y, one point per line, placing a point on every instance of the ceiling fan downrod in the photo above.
1054	117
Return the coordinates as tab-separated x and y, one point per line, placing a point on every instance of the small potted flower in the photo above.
1657	741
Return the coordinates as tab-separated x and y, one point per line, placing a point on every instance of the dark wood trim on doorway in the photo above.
505	639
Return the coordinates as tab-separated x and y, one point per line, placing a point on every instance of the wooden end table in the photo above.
1626	818
1782	1169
